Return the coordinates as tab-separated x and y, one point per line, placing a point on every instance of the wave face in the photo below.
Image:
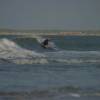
10	52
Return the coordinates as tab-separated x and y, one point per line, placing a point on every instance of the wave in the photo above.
53	92
74	57
10	52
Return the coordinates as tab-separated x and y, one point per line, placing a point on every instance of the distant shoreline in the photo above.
51	32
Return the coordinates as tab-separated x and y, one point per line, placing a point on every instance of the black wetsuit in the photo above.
45	43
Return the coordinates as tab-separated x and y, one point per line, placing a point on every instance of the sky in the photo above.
50	14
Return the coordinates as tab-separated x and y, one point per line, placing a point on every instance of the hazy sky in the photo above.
50	14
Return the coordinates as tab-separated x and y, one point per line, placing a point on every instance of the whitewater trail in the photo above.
74	57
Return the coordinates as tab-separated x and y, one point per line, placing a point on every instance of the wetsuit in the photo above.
45	43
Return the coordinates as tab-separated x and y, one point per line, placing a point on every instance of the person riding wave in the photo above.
45	43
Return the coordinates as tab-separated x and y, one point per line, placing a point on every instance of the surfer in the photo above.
45	43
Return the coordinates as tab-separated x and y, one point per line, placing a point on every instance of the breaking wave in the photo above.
10	52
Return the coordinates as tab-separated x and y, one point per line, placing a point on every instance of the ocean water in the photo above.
69	71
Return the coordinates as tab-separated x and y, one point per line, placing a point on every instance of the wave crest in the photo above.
10	51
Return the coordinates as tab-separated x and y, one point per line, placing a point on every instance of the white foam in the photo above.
10	50
74	54
75	95
40	39
77	61
31	61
